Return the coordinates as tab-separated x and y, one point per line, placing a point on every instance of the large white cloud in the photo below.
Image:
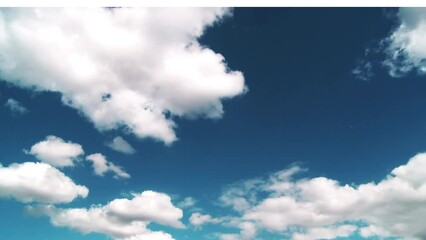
120	67
38	182
102	166
122	219
309	207
56	151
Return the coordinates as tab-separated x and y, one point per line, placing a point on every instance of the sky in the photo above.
212	123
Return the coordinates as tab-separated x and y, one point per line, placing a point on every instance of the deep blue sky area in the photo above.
303	106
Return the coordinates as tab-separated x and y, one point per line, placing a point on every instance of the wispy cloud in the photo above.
15	107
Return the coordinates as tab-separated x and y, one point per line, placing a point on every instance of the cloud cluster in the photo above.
38	182
121	68
15	107
122	219
59	153
321	208
120	145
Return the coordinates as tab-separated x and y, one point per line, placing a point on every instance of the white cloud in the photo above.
121	145
38	182
405	47
120	67
309	207
198	219
122	219
15	107
56	151
343	231
102	166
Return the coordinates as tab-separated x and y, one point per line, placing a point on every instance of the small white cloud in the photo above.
116	67
122	219
38	182
56	151
121	145
102	166
15	107
187	202
198	219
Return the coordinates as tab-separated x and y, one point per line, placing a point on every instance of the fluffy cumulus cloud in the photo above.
38	182
122	219
323	208
121	145
15	107
122	68
406	46
56	151
102	166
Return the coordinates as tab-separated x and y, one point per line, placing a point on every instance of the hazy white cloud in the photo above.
121	145
122	219
318	208
342	231
56	151
198	219
187	202
406	46
248	230
135	68
102	166
363	71
38	182
15	107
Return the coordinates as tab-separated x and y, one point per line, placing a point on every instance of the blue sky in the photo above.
245	123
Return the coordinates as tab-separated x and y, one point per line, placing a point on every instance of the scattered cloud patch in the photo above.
56	152
15	107
120	145
38	182
116	67
102	166
122	219
363	71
